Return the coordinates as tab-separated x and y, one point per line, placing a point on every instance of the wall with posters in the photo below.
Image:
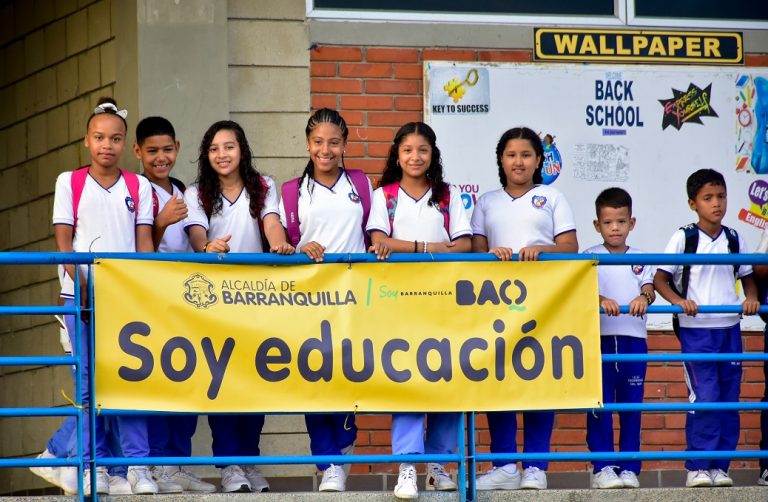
643	128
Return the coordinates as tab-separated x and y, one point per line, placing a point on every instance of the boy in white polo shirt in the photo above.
619	334
691	285
157	147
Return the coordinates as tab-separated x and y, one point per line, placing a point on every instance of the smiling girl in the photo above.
231	206
523	218
325	211
416	211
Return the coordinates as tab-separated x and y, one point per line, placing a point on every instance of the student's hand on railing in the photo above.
529	253
750	306
380	249
688	306
314	250
282	248
610	307
639	306
503	254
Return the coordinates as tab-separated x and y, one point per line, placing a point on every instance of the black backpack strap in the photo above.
178	184
733	245
691	232
691	245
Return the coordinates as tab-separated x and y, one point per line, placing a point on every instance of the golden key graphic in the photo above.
456	89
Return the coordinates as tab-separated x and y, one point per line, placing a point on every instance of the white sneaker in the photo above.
406	483
438	479
185	479
233	480
499	478
334	479
102	481
533	479
165	483
698	478
258	482
141	480
118	485
763	479
720	477
49	474
68	480
606	479
629	479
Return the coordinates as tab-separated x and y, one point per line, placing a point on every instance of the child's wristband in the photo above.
415	246
648	297
205	247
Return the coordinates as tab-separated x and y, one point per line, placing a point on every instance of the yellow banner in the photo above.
338	337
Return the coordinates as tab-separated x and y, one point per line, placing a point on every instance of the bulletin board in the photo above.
642	128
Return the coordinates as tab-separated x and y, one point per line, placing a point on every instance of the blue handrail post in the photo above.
462	474
90	309
471	459
78	378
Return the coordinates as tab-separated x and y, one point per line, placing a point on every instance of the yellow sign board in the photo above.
638	46
338	337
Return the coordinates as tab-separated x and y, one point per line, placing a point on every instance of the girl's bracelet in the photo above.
205	247
425	246
415	246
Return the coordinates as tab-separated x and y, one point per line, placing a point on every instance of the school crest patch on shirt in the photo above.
354	197
538	201
130	204
638	269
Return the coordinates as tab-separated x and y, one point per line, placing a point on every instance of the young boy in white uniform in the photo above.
709	381
623	382
169	435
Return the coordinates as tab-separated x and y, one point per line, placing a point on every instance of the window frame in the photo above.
618	19
624	15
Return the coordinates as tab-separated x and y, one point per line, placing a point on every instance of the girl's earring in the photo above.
397	163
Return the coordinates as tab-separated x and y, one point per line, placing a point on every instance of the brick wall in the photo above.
377	90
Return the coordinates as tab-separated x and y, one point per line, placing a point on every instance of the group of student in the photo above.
332	209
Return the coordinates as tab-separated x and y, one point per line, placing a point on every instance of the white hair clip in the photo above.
110	108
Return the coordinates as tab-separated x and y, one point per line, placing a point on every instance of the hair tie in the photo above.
110	108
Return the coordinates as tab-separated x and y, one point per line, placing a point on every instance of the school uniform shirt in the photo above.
416	219
175	239
106	218
234	218
623	284
533	219
331	216
708	284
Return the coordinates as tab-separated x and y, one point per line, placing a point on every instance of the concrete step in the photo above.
735	494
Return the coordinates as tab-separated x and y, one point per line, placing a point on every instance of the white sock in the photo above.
510	468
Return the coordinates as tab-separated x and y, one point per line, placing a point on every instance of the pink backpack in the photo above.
77	182
391	192
290	194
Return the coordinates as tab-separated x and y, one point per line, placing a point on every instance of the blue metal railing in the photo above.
467	455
